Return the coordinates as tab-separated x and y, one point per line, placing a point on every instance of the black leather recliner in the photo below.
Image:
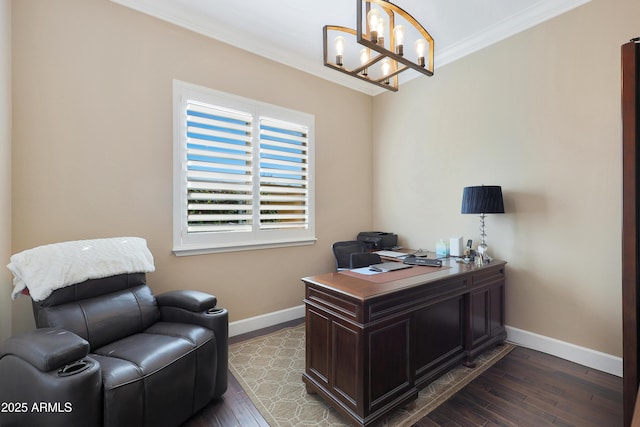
109	353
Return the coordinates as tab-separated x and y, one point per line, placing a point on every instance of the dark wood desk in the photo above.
373	341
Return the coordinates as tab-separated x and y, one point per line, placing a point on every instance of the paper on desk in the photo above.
366	271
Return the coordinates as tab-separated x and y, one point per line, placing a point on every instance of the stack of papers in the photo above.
381	268
388	266
392	254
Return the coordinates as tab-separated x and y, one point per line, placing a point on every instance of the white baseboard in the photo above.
574	353
571	352
265	320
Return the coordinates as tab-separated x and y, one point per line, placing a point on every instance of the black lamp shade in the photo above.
482	199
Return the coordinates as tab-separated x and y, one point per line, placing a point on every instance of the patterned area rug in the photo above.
269	369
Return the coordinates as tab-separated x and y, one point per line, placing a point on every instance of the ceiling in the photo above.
290	31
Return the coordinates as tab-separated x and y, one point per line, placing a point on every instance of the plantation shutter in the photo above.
219	169
243	173
284	175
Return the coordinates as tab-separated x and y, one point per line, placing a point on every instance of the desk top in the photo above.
363	287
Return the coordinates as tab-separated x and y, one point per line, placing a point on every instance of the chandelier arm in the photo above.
393	74
325	30
368	64
387	5
387	53
383	85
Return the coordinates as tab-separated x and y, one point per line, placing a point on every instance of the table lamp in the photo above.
484	199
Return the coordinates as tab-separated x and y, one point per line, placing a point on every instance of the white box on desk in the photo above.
455	246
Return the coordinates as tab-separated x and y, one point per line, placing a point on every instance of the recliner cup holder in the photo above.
74	368
214	310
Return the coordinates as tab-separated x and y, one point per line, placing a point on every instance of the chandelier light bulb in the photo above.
381	25
386	68
364	58
421	48
373	17
398	35
339	46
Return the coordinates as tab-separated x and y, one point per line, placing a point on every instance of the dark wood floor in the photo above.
529	388
526	388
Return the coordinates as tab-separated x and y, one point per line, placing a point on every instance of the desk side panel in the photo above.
438	338
318	345
346	367
389	374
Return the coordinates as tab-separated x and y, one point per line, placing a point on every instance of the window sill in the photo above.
189	250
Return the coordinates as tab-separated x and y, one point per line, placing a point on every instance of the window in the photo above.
243	173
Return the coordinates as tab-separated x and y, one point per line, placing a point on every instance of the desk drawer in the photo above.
426	294
487	276
332	303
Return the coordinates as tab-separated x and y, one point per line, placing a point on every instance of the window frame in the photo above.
186	243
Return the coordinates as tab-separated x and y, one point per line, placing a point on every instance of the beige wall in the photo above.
539	114
93	145
5	165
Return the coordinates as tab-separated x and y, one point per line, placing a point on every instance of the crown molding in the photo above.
527	18
539	12
224	34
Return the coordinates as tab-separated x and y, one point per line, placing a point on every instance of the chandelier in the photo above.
382	31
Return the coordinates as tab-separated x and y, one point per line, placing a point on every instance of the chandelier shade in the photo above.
377	51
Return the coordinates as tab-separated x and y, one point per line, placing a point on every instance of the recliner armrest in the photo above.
199	308
47	348
195	301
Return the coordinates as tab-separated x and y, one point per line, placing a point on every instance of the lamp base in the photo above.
483	253
482	249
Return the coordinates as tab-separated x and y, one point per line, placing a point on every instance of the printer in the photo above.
378	239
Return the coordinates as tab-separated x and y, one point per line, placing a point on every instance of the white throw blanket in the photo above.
44	269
